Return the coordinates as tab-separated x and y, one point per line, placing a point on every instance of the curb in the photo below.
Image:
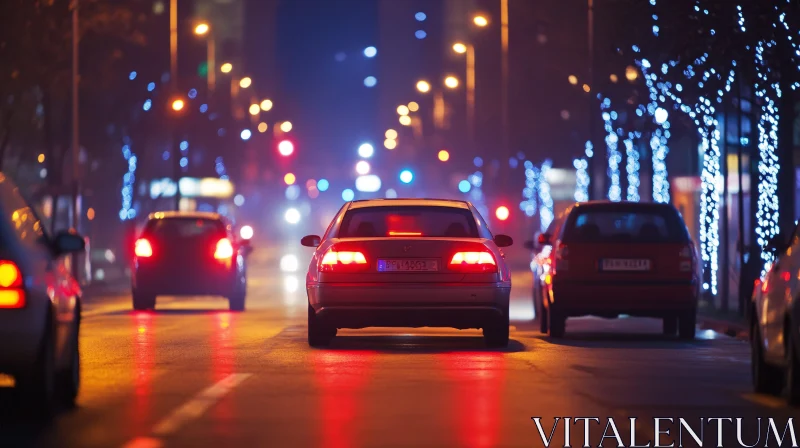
730	328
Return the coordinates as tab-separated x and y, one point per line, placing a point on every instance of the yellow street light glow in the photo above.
391	134
423	86
177	105
390	143
614	78
413	106
586	88
573	79
451	82
245	82
480	21
459	48
286	126
289	178
262	127
201	29
444	156
405	120
254	109
226	67
631	74
41	156
402	109
266	105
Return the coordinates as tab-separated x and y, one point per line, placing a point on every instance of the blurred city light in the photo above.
245	82
323	184
132	76
348	195
151	86
254	109
266	105
289	178
368	184
402	109
366	150
177	105
614	78
459	48
289	263
478	162
184	162
586	88
292	192
311	183
40	158
391	134
286	126
573	79
423	86
406	176
292	216
631	74
420	34
226	67
246	134
661	115
362	167
390	143
464	186
147	105
420	16
370	81
262	127
444	156
405	120
502	213
480	20
201	29
238	200
192	93
451	82
413	106
391	194
370	52
246	232
286	148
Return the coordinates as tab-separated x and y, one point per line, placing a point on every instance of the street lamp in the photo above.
402	109
266	105
480	20
451	82
226	67
423	86
245	82
254	109
469	51
178	104
203	29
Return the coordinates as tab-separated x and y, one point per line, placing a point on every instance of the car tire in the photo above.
68	381
557	323
767	379
142	302
37	389
237	302
669	325
496	334
687	322
319	334
792	378
543	319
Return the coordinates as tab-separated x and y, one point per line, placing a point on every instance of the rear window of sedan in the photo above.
184	228
408	221
625	224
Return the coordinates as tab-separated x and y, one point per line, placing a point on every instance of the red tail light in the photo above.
342	261
473	262
687	262
224	249
11	293
393	233
143	249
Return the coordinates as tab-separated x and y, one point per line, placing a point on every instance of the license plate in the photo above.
622	264
408	265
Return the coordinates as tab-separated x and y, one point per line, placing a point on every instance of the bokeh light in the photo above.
459	47
480	21
370	52
502	213
573	79
406	176
464	186
420	34
246	134
405	120
286	126
262	127
423	86
266	105
391	134
245	82
420	16
390	144
366	150
254	109
402	109
226	67
292	216
286	148
289	178
323	184
246	232
413	106
362	167
444	155
348	194
391	194
370	81
451	82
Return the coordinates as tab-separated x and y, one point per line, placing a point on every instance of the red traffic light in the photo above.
286	148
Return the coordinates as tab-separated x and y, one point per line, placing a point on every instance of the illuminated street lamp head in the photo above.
423	86
459	48
451	82
177	105
226	67
254	109
201	29
402	109
480	21
245	82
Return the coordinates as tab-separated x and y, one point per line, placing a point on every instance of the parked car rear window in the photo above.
184	228
408	221
625	224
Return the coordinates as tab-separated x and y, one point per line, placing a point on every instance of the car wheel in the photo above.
37	388
792	370
496	334
557	324
670	325
69	380
686	325
319	335
543	324
767	379
142	302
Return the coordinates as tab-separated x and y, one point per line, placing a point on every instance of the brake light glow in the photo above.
224	249
11	293
334	261
391	233
473	262
143	249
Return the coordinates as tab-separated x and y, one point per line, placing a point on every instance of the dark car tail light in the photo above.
142	248
342	261
687	258
224	249
11	292
473	262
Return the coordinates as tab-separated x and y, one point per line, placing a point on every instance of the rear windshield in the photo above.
408	222
184	228
626	225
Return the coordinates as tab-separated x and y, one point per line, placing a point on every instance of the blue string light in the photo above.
632	168
545	199
128	181
528	205
581	180
613	155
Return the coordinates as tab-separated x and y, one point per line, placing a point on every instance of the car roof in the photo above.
605	204
409	202
185	215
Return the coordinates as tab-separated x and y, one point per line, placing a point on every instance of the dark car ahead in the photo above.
613	258
189	253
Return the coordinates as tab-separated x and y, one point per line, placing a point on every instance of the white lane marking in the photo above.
195	407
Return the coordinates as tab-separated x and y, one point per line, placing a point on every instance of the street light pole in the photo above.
76	212
173	45
471	95
504	88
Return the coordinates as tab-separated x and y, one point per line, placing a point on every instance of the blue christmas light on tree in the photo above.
613	154
128	181
545	199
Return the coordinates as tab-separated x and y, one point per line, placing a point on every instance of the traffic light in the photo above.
286	148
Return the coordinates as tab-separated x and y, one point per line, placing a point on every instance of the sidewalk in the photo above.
730	323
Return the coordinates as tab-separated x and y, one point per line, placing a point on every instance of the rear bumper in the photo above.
649	299
23	330
409	305
219	282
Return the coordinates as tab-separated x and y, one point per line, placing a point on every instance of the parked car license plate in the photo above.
408	265
625	264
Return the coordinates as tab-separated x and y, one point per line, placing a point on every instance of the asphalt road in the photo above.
193	374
